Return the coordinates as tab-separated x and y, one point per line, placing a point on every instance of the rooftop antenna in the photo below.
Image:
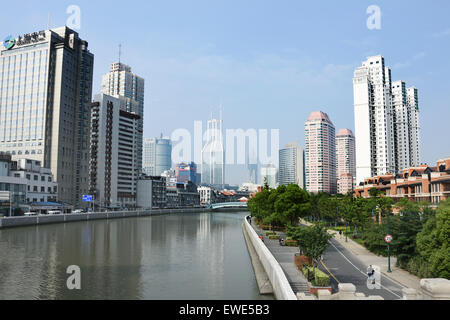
48	22
120	51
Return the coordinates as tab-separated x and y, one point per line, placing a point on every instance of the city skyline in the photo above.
194	67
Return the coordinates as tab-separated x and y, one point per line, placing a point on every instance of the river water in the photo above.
171	257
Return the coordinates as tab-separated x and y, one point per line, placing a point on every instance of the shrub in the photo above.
317	278
270	233
321	279
291	243
274	237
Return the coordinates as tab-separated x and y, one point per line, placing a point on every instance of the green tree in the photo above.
313	241
292	204
433	241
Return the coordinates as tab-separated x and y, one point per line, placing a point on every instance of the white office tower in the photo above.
346	160
213	155
157	156
121	82
114	169
374	130
291	168
412	99
320	154
45	97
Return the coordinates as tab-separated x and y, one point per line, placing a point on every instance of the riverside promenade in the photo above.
285	257
399	276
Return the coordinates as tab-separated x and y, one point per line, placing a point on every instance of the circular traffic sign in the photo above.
388	238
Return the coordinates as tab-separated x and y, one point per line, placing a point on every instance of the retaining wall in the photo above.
11	222
281	287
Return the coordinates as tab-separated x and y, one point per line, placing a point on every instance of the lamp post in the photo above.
389	246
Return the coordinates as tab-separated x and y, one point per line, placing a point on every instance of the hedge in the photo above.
291	243
274	237
319	279
270	233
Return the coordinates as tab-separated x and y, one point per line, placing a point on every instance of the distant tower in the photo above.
320	154
157	156
213	155
292	165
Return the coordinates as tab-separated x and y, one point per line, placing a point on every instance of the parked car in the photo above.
28	214
54	212
78	211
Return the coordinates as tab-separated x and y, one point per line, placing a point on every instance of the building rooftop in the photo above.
345	132
319	115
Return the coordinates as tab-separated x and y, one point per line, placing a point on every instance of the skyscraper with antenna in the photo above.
213	154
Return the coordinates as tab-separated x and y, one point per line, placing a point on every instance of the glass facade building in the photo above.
45	95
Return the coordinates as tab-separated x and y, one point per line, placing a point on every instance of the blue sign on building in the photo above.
87	198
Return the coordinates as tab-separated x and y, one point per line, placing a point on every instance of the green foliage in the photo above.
274	237
313	241
404	230
433	242
316	276
373	239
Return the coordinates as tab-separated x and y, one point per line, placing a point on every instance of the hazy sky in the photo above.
269	63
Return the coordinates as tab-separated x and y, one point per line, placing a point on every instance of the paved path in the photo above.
285	257
362	258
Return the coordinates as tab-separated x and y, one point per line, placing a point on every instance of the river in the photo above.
195	256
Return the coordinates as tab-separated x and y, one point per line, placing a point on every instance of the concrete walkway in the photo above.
400	276
285	257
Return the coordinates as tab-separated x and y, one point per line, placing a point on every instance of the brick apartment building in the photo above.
423	183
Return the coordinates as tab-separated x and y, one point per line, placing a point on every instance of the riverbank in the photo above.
14	222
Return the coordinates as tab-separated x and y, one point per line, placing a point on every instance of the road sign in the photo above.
388	238
87	198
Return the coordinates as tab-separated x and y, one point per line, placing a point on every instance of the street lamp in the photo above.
389	246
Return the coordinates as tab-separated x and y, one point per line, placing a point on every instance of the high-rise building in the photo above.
345	160
412	100
292	166
213	155
387	125
45	97
186	172
114	169
269	175
374	128
157	155
320	154
121	82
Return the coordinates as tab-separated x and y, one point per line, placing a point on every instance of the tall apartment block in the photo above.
121	82
292	165
386	121
157	156
320	154
345	160
114	166
45	97
213	155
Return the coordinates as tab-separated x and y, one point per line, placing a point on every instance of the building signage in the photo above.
28	38
9	42
87	198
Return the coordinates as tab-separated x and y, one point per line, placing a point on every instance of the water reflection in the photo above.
189	256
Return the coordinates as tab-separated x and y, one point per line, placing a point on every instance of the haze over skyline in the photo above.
269	64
